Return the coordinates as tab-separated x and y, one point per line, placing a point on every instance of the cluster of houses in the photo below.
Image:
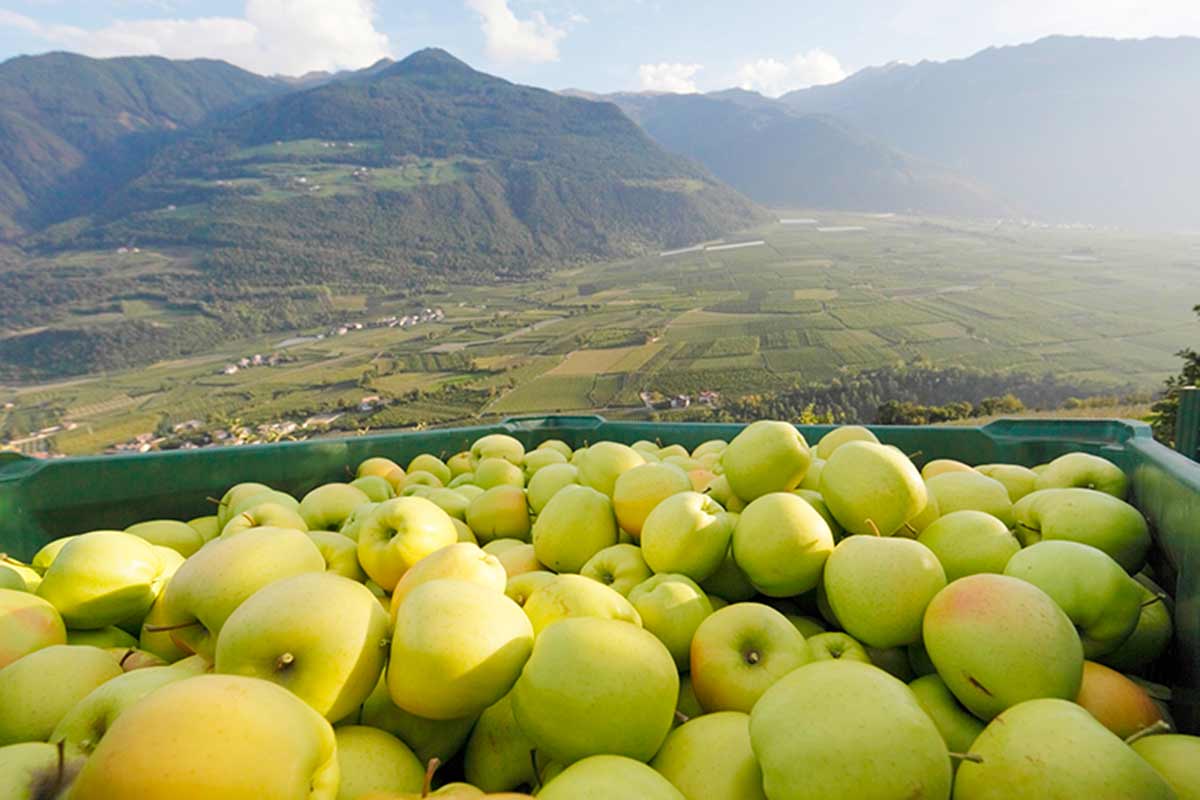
654	401
249	362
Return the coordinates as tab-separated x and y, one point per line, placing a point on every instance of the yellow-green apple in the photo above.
1087	516
638	491
498	445
234	495
918	660
701	478
131	658
834	645
1101	599
419	481
596	686
739	652
713	446
929	514
609	777
27	623
686	705
521	587
465	534
371	760
892	660
970	542
878	588
103	578
1084	471
206	526
892	749
498	472
959	727
1018	480
85	724
469	491
398	534
265	515
1116	702
460	463
340	554
29	577
766	457
781	543
452	502
1176	758
516	559
576	596
353	522
576	524
840	435
710	758
501	512
672	450
870	488
431	464
602	463
812	478
179	536
961	491
37	691
997	641
685	463
326	507
557	444
427	738
1151	636
322	636
942	465
540	459
385	468
808	626
720	490
154	640
497	757
111	636
688	533
646	448
374	487
1053	749
248	502
814	499
461	560
546	483
270	744
729	582
619	567
222	575
36	771
466	661
672	607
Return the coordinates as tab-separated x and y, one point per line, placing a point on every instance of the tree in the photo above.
1165	410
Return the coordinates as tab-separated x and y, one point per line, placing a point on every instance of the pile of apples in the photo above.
751	620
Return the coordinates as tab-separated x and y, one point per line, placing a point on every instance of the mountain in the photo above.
1069	128
72	127
780	157
318	77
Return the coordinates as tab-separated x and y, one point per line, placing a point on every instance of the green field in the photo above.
806	306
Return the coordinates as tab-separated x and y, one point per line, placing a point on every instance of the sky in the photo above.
771	46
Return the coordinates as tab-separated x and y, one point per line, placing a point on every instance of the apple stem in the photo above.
1162	726
874	528
125	657
61	746
1158	598
681	717
165	628
917	453
537	776
972	757
214	501
434	763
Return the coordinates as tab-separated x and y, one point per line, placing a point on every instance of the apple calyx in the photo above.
284	662
972	757
752	657
1161	726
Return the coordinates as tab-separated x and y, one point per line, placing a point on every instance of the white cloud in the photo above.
510	39
773	77
274	36
677	78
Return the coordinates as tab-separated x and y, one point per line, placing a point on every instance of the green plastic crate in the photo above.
43	500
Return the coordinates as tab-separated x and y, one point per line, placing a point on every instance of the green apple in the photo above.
1019	481
918	660
467	490
37	691
497	756
206	526
319	635
673	450
459	464
940	466
326	507
892	749
111	636
685	463
608	777
501	512
431	464
637	492
557	444
233	496
712	446
1101	599
461	560
739	652
870	488
688	533
646	447
781	543
892	660
962	491
687	705
814	499
596	686
1084	471
518	559
375	487
498	472
421	480
765	457
498	445
540	459
352	523
959	727
340	554
834	645
159	642
1052	749
729	582
179	536
576	596
164	748
604	462
131	658
1086	516
27	623
710	758
81	729
467	661
521	587
812	478
103	578
208	587
1149	639
619	567
720	490
385	468
427	738
840	435
808	626
453	502
36	771
1115	701
997	641
672	608
970	542
265	515
576	524
1175	757
29	578
249	502
398	534
371	760
546	483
